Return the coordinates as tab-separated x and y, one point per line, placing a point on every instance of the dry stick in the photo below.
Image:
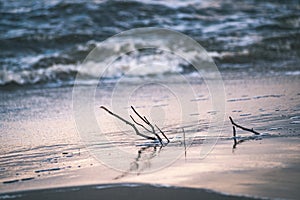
139	124
162	133
234	137
146	120
148	123
143	118
184	143
243	128
127	122
234	134
153	131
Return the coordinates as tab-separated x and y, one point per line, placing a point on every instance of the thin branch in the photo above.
139	124
235	141
142	118
153	131
162	133
117	116
243	128
148	123
234	137
129	123
145	120
184	143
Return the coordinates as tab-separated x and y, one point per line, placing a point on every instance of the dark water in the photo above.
43	41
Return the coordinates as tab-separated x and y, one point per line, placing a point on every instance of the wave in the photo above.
45	41
58	70
133	65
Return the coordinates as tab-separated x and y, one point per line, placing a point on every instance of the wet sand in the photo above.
266	166
121	191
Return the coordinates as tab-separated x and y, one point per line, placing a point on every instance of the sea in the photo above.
43	42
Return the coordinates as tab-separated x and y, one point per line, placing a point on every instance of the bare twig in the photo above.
163	133
235	141
139	124
184	143
129	123
144	119
243	128
234	137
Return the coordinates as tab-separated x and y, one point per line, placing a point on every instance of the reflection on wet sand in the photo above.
142	160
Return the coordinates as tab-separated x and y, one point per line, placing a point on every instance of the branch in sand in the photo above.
162	133
184	143
145	120
235	142
243	128
234	137
129	123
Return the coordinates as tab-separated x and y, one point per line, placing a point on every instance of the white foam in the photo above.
292	73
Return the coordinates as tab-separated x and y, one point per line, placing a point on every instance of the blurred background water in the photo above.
43	42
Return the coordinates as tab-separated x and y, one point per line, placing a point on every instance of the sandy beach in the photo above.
263	167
